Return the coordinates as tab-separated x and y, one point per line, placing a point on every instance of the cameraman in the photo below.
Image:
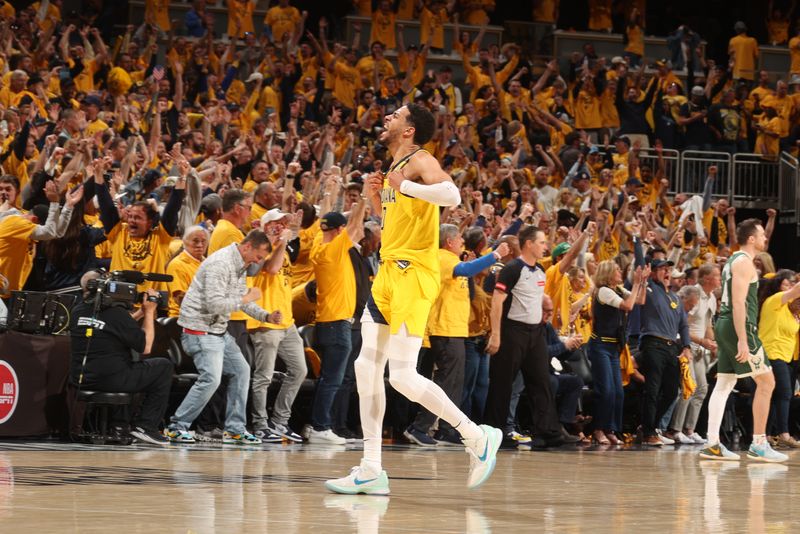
109	366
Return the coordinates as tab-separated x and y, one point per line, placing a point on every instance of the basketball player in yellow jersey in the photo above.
404	290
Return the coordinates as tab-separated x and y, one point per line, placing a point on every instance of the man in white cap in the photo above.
282	339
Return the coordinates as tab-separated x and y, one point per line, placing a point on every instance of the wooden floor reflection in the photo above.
73	488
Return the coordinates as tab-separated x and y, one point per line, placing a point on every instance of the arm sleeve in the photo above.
514	227
471	268
441	194
47	231
638	252
709	187
108	213
255	311
293	248
555	347
683	328
21	141
169	218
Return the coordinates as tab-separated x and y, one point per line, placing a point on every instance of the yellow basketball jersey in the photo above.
410	227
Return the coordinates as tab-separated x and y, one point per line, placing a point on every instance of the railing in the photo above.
672	165
694	170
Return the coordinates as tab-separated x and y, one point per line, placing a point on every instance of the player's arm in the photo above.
437	187
742	273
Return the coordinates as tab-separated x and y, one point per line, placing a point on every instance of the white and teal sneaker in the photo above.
719	452
765	453
483	455
360	480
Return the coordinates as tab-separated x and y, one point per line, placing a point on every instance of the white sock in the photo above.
716	405
759	439
369	368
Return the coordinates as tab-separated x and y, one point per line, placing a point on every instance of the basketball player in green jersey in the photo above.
739	350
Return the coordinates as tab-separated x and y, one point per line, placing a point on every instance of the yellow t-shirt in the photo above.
745	52
432	24
336	282
148	255
158	12
449	315
794	53
182	268
282	20
383	29
276	295
587	111
303	270
635	40
600	15
552	284
240	10
366	65
346	82
223	235
778	329
16	250
84	82
545	10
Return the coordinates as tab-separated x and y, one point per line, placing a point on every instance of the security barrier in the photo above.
694	170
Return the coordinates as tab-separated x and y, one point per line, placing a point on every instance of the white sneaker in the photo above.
697	438
326	437
664	439
483	455
683	439
360	480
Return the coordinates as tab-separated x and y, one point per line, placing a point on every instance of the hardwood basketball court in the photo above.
56	487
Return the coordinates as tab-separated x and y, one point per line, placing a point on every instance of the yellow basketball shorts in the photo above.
402	293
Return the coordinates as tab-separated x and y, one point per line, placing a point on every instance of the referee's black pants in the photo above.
522	347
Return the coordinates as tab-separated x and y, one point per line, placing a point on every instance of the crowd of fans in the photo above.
158	148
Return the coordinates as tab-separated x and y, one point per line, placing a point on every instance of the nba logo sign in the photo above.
9	391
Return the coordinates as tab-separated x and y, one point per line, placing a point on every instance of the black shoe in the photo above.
348	434
448	437
149	436
566	437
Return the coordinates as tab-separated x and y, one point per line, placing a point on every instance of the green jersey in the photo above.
751	301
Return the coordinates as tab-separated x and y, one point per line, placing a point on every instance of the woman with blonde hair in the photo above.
764	264
611	303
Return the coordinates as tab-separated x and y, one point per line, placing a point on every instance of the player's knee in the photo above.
364	367
407	383
765	383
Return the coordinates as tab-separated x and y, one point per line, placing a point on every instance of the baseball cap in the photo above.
633	182
272	215
560	249
332	220
698	91
594	150
92	100
254	76
624	138
655	264
583	175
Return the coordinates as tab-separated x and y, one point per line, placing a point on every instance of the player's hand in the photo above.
742	351
275	317
494	344
395	179
252	295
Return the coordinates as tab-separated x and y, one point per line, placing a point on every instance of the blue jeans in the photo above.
214	356
607	385
476	379
781	396
333	344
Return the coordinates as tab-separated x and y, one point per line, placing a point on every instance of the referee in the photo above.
518	341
